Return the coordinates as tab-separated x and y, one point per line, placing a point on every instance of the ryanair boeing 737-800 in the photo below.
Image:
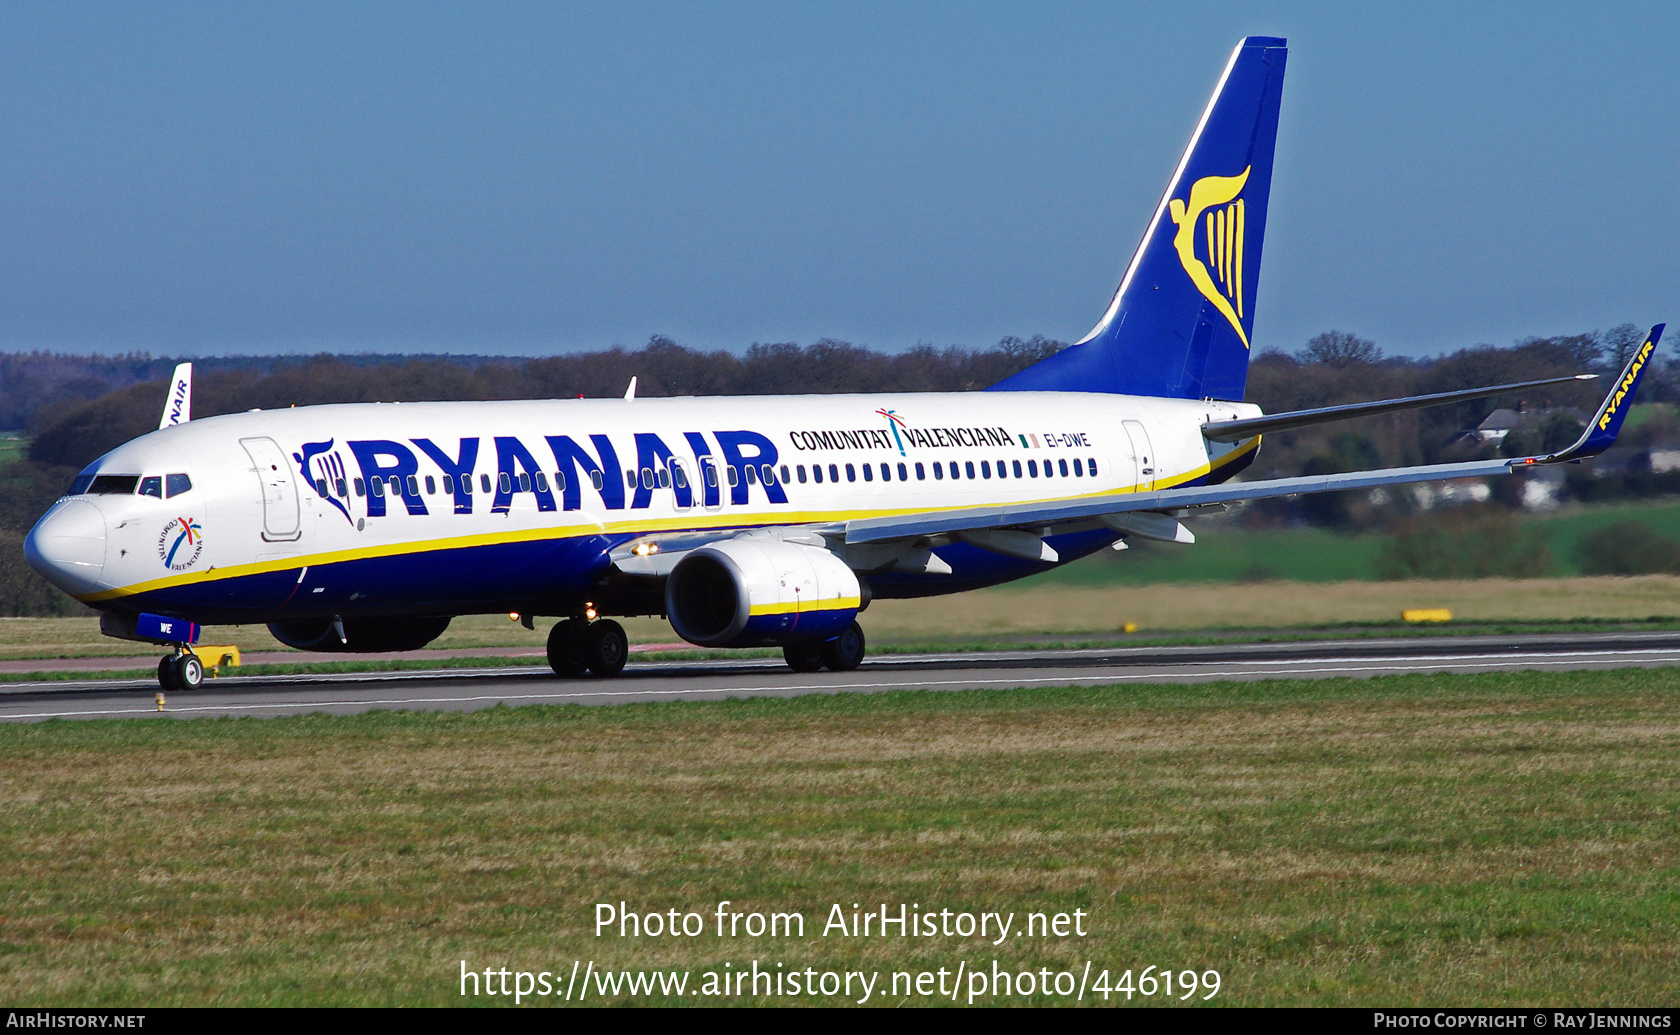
746	522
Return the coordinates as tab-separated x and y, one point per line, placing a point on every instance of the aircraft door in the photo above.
1143	456
281	519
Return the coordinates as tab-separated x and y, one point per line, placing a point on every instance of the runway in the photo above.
468	689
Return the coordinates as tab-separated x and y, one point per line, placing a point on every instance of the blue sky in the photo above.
528	179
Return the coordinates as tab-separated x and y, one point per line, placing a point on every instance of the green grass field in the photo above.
1495	839
1227	553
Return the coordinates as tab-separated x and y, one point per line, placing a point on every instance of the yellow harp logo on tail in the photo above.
1216	205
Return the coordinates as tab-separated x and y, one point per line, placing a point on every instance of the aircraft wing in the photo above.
1246	427
876	530
653	556
1599	436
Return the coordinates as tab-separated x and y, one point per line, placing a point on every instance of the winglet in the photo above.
1607	422
177	409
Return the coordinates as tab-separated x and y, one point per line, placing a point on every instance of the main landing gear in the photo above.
841	654
576	646
181	671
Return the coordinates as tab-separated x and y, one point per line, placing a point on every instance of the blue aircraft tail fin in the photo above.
1180	324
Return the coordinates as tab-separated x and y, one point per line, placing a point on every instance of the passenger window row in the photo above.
649	478
398	485
675	475
953	469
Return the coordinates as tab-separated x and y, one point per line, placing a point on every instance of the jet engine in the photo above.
758	592
360	634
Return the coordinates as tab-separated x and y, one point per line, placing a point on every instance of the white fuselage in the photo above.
284	516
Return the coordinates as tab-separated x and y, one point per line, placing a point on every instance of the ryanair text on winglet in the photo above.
1626	386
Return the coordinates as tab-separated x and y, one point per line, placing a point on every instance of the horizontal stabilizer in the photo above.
1237	430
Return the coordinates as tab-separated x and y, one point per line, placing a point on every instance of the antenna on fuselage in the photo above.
630	393
177	409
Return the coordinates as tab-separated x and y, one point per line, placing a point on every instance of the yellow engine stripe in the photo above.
801	606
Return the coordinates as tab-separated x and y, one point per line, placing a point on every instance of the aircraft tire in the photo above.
844	652
568	648
166	673
609	648
803	657
187	671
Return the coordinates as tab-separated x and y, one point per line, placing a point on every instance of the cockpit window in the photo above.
114	484
152	485
179	483
80	485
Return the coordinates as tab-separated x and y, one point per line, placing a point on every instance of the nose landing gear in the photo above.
576	646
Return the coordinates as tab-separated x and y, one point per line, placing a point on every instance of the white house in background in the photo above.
1540	491
1503	421
1665	460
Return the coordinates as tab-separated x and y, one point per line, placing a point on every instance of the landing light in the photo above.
513	616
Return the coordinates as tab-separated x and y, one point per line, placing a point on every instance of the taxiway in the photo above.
466	689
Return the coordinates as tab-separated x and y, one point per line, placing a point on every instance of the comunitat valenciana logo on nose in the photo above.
1214	217
180	543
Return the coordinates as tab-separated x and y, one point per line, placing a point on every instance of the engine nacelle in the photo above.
760	592
360	634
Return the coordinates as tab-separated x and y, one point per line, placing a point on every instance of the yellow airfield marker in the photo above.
1427	614
217	658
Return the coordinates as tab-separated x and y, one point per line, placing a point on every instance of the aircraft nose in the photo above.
67	546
